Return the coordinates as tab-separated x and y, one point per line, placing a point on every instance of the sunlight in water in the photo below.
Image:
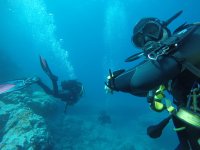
115	22
41	22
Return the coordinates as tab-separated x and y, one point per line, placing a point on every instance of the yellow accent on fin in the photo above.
179	129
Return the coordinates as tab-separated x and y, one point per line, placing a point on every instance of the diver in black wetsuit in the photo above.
172	62
72	90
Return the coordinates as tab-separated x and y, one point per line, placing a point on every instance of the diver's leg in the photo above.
44	87
55	85
54	79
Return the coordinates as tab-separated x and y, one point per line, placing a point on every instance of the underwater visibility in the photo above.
99	75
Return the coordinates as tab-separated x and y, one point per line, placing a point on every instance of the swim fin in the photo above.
14	85
6	87
155	131
46	68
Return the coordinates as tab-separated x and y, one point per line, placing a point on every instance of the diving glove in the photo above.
110	83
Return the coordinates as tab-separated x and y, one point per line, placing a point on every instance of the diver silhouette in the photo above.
72	90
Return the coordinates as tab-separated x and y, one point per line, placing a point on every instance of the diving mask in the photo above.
150	31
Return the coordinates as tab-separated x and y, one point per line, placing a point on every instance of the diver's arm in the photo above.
146	76
121	81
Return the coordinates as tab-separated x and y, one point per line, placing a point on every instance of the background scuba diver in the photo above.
171	60
72	90
104	118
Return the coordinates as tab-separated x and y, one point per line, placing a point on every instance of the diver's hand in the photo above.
108	90
35	79
109	84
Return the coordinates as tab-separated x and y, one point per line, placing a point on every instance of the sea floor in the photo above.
33	120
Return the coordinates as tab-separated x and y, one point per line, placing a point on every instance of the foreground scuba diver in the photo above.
72	90
171	62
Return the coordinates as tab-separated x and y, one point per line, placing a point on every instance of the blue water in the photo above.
82	40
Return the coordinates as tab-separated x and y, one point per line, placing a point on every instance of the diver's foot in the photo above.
31	80
35	79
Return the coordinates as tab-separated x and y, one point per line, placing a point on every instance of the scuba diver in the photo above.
170	63
104	118
72	90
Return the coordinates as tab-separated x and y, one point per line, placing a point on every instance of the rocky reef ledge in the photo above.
33	120
22	120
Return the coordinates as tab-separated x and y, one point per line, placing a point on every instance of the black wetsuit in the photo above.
150	74
71	91
69	95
